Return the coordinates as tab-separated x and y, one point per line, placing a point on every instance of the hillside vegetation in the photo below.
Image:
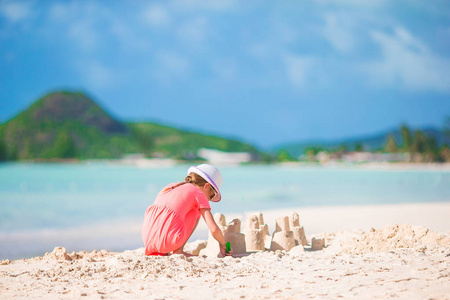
65	125
167	141
70	125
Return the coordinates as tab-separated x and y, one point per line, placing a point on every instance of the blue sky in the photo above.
266	72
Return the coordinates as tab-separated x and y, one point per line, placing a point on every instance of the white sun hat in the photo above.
210	174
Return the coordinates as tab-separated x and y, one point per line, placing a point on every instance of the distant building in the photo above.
323	157
218	157
358	157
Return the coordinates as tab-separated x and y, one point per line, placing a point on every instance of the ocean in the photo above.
101	205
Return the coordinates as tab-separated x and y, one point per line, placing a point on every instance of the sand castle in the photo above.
235	237
283	237
231	233
317	244
287	235
256	233
299	231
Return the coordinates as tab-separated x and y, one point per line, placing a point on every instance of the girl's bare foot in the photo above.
180	251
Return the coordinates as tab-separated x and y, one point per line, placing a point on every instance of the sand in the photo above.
390	261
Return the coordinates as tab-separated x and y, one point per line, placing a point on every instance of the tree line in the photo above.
417	146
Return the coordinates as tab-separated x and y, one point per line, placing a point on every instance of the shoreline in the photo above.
168	162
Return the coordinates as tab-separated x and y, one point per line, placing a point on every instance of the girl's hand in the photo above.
223	251
215	231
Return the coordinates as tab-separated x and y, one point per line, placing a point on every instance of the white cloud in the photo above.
355	3
89	27
225	69
298	69
285	33
15	11
174	62
156	16
78	23
83	33
195	31
171	66
338	31
97	75
128	38
408	63
275	44
210	5
59	12
259	50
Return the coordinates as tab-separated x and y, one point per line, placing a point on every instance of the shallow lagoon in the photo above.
43	198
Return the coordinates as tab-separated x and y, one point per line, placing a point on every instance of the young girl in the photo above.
173	217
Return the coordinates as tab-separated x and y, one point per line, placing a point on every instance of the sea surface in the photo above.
100	205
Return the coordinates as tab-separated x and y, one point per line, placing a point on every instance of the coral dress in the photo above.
170	220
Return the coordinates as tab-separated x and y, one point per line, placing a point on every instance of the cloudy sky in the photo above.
266	72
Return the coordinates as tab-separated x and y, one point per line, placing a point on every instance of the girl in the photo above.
173	217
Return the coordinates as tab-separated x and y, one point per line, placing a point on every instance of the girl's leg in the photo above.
180	250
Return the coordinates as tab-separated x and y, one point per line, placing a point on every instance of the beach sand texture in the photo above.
396	261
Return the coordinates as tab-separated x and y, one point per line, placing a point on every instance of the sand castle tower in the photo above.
283	237
257	235
299	231
235	237
265	229
254	234
220	221
231	233
317	244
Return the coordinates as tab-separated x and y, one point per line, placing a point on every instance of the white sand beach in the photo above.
370	253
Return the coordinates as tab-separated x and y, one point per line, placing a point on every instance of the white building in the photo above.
217	157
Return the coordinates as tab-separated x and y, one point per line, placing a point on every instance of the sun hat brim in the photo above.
205	176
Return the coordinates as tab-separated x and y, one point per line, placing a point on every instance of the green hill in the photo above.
171	142
64	125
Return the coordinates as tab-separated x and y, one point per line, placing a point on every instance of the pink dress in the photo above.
170	220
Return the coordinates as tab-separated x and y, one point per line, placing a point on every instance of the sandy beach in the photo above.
388	251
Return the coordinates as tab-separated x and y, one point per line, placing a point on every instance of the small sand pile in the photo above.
398	236
195	247
60	253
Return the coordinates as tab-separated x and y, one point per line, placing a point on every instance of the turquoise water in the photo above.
54	195
39	197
